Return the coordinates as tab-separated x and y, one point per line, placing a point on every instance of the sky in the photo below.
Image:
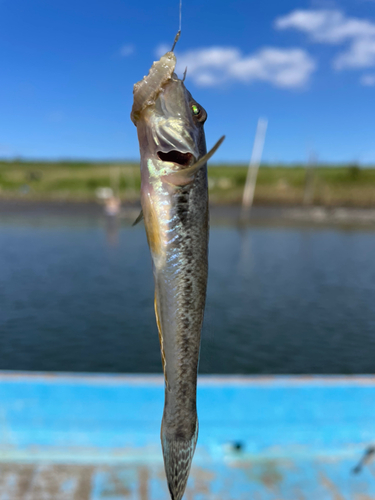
308	67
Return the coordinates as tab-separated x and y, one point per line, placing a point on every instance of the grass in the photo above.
77	181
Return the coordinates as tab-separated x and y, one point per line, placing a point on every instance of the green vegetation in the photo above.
78	181
70	181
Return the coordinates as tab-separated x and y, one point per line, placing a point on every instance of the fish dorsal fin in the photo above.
186	175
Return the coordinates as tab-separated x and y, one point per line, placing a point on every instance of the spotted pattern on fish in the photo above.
174	196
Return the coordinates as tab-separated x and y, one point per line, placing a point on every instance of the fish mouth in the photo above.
182	159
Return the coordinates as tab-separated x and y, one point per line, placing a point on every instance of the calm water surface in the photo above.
76	295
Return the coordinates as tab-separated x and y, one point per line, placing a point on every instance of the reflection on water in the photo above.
112	228
244	261
76	294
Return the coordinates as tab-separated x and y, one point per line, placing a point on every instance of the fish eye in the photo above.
195	110
198	112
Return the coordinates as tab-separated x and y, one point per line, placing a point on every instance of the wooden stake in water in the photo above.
252	173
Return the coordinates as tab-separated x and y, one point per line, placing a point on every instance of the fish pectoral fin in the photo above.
138	219
186	175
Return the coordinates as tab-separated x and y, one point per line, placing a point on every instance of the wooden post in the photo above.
252	173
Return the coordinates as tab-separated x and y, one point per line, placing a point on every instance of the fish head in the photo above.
170	128
176	125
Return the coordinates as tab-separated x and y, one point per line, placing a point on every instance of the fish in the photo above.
174	199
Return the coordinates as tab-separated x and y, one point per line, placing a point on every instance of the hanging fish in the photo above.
174	199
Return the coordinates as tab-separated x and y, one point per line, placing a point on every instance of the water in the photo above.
77	296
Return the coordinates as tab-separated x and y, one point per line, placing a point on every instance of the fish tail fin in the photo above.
178	455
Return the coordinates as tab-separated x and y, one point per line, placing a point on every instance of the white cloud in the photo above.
127	50
327	26
368	80
205	80
162	49
334	27
214	66
361	54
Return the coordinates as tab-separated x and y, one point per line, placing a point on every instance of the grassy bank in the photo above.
327	185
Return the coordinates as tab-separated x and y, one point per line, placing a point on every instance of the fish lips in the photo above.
177	157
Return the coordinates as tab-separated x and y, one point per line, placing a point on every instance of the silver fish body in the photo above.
174	200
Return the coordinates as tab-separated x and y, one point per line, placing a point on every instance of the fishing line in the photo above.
179	28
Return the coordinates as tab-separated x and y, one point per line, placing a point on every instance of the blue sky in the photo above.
68	68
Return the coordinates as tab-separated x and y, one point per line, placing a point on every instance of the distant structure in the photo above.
111	195
252	173
112	206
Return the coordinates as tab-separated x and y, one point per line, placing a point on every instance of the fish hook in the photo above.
176	40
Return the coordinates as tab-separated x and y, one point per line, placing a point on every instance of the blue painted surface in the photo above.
296	434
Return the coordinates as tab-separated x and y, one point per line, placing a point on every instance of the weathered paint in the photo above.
97	438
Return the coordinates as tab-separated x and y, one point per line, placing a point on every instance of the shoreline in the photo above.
219	214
